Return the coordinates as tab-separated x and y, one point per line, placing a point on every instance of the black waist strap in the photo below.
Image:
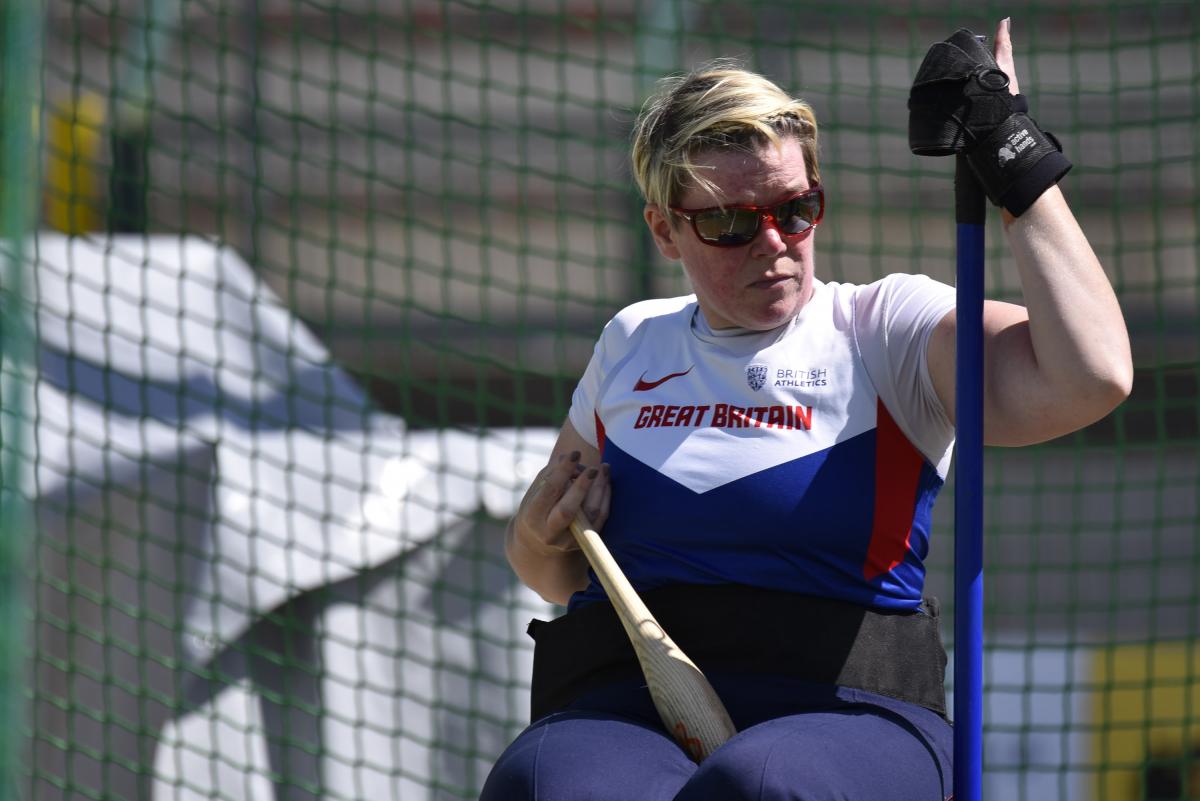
729	628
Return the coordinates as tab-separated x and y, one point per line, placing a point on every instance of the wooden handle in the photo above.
686	702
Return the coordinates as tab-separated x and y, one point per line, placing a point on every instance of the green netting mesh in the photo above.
312	286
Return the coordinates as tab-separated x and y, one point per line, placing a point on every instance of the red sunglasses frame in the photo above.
764	213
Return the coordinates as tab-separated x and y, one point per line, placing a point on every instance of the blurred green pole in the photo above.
21	42
144	50
658	47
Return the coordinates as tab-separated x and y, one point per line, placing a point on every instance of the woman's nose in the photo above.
769	240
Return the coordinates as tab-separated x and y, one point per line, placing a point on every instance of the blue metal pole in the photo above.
970	215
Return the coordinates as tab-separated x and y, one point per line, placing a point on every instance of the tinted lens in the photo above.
799	214
728	227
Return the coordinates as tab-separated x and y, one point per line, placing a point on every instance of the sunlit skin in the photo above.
760	285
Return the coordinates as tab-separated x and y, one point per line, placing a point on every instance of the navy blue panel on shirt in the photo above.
802	526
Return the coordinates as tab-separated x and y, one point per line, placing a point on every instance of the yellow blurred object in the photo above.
74	178
1146	711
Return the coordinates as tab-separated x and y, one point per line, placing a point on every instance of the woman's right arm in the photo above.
538	541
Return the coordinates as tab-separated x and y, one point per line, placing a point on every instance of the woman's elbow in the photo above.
1122	385
1116	382
1101	392
1084	398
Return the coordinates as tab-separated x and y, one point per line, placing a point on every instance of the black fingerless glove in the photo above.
960	103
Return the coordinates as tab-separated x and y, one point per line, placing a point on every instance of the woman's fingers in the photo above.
605	499
568	506
550	484
1003	52
595	503
558	493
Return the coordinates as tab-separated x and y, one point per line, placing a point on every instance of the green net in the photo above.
312	286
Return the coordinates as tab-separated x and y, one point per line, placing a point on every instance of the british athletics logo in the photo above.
756	376
724	415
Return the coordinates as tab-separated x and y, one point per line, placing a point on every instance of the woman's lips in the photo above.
767	283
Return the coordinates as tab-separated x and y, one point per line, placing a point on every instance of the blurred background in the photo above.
295	297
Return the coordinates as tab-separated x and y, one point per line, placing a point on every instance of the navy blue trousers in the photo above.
796	742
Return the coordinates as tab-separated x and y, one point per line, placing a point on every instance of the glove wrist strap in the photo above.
1017	162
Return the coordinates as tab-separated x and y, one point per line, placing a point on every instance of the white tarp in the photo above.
251	584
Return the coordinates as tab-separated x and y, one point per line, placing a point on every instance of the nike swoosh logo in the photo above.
642	385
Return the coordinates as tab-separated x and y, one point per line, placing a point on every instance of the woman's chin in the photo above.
775	314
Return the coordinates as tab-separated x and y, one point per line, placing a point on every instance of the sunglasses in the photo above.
734	226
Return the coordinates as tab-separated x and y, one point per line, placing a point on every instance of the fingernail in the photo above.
607	470
593	473
1008	24
574	457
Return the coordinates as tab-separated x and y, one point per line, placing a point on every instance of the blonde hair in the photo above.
717	106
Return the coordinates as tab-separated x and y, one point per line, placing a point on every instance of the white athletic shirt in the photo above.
806	458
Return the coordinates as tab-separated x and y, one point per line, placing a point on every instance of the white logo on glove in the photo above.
1017	142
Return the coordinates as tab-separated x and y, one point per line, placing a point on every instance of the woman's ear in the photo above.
662	231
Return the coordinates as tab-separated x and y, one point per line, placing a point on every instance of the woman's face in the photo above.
759	285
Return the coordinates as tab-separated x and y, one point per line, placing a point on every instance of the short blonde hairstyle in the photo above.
717	106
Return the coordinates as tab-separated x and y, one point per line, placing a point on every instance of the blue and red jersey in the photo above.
806	458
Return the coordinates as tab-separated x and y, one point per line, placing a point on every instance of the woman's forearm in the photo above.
1077	333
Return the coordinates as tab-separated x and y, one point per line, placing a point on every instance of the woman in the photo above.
762	458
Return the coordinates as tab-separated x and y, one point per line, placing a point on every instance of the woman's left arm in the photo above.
1062	360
